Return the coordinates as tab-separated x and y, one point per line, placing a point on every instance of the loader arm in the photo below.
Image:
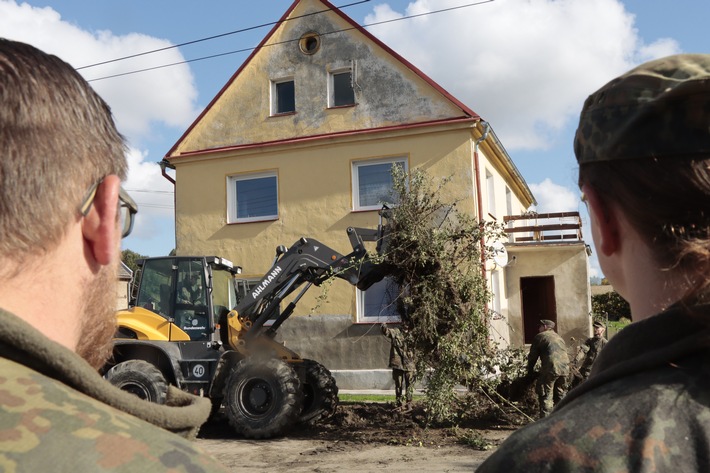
308	262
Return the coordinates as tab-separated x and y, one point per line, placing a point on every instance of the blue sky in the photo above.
525	66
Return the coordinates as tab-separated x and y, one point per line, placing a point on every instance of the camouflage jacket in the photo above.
644	408
58	414
549	347
593	346
401	358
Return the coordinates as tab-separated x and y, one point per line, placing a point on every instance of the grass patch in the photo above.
383	398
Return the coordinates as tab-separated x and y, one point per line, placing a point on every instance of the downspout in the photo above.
477	172
165	164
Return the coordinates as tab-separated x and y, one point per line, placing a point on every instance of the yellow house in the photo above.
300	142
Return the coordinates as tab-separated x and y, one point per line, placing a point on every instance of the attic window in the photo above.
309	43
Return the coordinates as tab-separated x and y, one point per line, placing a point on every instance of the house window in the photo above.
491	194
341	88
309	43
508	201
379	303
495	290
283	96
252	197
372	183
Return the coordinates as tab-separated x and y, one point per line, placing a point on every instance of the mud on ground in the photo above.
364	437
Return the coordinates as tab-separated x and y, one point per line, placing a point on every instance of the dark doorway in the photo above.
537	296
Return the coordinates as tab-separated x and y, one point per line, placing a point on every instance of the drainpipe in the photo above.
477	172
165	164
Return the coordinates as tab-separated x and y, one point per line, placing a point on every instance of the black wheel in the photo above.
140	378
263	397
320	393
216	406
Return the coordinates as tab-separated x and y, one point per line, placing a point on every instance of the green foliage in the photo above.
471	438
434	252
612	304
129	258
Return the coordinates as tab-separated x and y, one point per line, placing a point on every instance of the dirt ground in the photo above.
361	437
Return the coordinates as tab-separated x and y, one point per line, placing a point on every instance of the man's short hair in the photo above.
58	138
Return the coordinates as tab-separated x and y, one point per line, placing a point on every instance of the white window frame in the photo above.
490	186
356	165
232	216
331	86
376	318
495	291
275	97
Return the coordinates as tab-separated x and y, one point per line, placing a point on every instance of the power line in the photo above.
208	38
288	41
150	191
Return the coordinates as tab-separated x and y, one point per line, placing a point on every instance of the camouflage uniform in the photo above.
549	347
646	404
593	346
645	407
59	414
402	364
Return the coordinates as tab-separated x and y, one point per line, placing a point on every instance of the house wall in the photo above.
122	293
568	264
315	199
312	151
387	92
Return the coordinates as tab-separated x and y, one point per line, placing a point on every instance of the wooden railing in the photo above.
534	227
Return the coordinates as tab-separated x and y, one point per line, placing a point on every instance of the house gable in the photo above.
388	91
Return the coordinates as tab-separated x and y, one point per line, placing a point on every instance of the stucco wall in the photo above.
356	354
568	264
314	199
387	93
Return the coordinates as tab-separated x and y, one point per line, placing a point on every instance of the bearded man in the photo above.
62	216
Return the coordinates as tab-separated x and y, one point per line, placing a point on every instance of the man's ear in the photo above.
605	220
100	226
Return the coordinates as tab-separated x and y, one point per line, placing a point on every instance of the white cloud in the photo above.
143	104
138	101
553	197
524	65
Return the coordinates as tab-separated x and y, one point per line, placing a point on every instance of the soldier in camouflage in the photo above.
643	146
592	347
402	364
62	216
550	349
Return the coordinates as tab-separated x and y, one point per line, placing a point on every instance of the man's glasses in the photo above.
127	208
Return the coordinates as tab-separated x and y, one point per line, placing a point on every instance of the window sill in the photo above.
284	114
336	107
359	211
255	220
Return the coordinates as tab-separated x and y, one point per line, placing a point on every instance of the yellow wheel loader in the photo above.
188	326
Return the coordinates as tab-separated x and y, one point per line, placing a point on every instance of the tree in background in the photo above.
129	258
610	304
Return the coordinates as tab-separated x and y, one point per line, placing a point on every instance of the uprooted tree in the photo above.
435	254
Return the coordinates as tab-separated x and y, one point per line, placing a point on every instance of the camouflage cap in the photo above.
659	109
547	323
598	324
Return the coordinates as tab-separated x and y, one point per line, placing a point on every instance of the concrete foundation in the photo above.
356	354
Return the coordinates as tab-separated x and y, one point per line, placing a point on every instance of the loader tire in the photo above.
140	378
320	393
263	397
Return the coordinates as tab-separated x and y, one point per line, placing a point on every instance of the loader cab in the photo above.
192	292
